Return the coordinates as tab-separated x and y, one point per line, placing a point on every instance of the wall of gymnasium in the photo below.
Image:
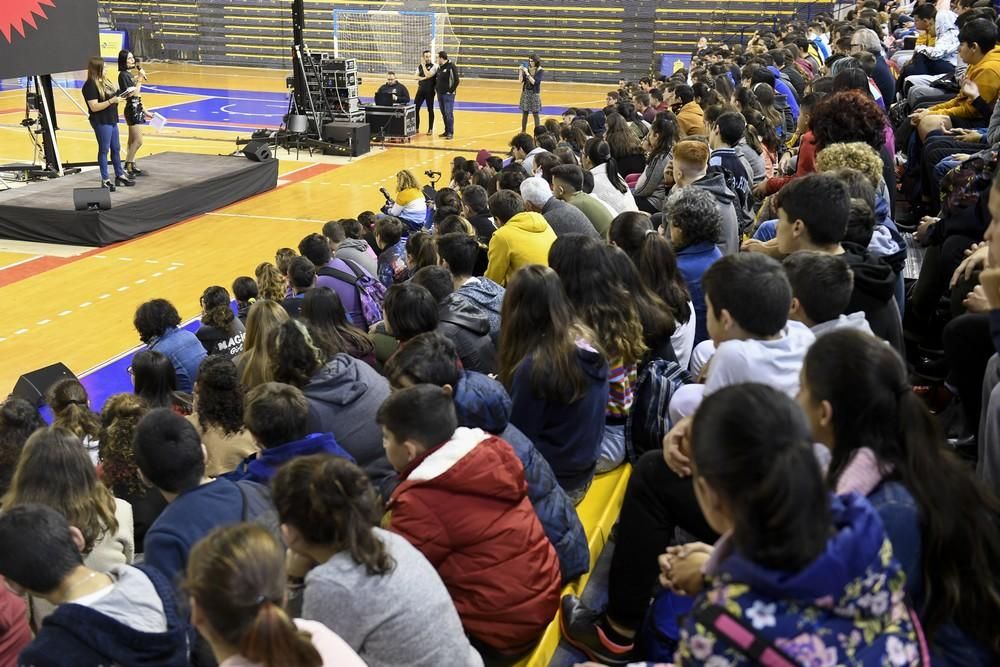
578	40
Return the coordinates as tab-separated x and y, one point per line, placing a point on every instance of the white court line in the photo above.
19	262
264	217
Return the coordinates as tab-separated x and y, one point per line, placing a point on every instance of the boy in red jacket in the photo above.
462	501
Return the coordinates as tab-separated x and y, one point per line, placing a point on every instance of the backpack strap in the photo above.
342	276
742	637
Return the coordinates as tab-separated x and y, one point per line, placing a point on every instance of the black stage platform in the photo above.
177	186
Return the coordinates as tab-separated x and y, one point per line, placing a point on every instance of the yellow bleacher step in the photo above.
598	512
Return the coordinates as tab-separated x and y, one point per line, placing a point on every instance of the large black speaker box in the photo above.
356	135
33	386
257	151
86	199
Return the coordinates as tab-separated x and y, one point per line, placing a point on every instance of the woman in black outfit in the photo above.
135	115
531	90
102	101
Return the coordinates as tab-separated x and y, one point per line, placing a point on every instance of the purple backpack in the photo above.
370	291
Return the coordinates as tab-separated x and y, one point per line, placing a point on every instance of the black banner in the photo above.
47	36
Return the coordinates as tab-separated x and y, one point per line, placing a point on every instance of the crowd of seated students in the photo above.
372	451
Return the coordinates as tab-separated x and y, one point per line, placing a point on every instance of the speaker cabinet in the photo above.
257	151
356	135
91	199
33	386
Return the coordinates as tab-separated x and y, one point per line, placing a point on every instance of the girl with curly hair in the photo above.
18	420
118	470
271	283
218	416
596	293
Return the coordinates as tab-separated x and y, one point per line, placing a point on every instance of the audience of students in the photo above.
623	264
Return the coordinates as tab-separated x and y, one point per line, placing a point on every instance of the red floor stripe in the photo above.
46	263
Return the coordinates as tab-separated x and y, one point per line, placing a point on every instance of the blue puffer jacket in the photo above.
483	403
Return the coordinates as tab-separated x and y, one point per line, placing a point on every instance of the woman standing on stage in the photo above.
530	77
135	115
102	101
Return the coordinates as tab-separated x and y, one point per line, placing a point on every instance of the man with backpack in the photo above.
359	291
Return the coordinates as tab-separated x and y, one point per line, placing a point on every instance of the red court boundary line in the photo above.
46	263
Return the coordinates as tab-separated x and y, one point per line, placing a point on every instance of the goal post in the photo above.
384	41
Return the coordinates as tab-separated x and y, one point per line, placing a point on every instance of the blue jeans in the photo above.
611	453
107	140
446	103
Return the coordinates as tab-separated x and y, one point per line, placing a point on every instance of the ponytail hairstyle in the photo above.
665	128
69	403
421	251
598	152
873	406
236	576
216	311
331	503
597	294
751	444
537	321
655	260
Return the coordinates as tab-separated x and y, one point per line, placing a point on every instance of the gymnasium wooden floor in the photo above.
75	305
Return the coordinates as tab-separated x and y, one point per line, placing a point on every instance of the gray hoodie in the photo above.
729	233
854	322
359	252
344	397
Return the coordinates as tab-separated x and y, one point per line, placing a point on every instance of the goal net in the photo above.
384	41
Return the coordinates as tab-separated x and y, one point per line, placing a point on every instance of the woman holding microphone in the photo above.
102	103
135	115
530	76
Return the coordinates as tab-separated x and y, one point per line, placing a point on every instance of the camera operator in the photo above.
409	205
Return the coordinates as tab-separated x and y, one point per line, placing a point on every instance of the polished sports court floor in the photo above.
75	305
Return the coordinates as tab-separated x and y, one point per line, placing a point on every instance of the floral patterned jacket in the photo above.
845	608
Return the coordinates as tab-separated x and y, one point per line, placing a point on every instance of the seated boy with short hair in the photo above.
126	616
462	501
277	416
821	289
747	298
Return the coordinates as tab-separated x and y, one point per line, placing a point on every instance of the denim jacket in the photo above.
185	352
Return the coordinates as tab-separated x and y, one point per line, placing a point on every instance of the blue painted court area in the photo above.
240	110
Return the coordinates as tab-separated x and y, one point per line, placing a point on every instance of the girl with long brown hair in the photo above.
54	470
254	364
597	295
102	98
370	586
556	374
236	585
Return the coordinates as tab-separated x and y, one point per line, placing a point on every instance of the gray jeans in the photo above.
988	467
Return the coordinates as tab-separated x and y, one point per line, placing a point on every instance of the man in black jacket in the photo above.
446	83
391	92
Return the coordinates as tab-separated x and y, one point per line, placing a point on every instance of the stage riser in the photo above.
178	186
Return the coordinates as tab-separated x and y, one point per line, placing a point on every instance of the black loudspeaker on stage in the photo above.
258	151
33	386
87	199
